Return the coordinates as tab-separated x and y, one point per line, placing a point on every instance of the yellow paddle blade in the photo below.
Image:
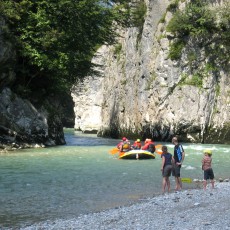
186	180
114	151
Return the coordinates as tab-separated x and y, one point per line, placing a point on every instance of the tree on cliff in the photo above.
55	40
208	26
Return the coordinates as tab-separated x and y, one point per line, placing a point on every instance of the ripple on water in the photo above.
66	181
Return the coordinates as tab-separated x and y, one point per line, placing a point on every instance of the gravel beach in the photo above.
188	209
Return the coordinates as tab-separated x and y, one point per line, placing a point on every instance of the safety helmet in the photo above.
124	138
138	140
208	151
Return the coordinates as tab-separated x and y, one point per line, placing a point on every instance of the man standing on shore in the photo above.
178	159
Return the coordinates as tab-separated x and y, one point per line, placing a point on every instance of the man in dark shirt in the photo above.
178	159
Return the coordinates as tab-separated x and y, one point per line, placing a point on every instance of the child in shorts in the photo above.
207	168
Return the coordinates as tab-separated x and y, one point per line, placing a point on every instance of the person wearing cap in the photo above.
207	168
178	159
136	144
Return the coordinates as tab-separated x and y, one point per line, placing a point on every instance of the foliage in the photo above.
137	17
162	20
138	14
117	50
55	40
196	80
208	27
176	49
173	6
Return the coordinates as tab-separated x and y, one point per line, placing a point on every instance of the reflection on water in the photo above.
81	177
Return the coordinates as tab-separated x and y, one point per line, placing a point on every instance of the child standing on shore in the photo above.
207	167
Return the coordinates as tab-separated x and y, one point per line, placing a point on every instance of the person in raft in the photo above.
207	167
166	168
136	144
178	159
121	142
124	145
149	145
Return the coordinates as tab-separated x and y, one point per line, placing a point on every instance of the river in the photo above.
82	177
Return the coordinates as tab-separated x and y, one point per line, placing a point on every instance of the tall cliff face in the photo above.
140	90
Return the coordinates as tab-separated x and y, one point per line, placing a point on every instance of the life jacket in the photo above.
119	144
125	146
137	145
149	146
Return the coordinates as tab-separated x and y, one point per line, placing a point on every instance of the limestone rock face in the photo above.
22	125
139	92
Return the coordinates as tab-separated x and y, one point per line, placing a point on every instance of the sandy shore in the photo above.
187	209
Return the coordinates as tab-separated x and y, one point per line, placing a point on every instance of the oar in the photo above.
186	180
121	153
158	148
114	151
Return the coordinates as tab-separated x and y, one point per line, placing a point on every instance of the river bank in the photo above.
187	209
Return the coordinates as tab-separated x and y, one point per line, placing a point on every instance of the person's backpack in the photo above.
152	148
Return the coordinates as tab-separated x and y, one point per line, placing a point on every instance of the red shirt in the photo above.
146	146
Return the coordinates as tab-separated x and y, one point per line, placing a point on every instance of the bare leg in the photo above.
205	184
168	184
212	182
178	183
163	184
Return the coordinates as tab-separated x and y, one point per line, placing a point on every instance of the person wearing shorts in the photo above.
207	167
178	158
166	168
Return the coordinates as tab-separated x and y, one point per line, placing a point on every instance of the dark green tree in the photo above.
55	40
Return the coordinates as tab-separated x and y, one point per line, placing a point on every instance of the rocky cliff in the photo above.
141	92
22	125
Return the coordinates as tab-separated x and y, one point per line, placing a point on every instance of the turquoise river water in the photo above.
82	177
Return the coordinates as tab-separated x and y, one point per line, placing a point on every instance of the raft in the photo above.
137	154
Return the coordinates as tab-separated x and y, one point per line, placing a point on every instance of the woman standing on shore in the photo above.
166	168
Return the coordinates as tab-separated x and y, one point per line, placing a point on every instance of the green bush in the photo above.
138	14
173	6
175	49
209	27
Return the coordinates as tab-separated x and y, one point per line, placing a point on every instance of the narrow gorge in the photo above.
164	76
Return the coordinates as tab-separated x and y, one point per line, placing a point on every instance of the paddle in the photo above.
158	148
114	151
121	153
186	180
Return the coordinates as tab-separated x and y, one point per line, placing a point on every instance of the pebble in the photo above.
204	210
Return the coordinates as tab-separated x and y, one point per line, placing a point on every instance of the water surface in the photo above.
82	177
